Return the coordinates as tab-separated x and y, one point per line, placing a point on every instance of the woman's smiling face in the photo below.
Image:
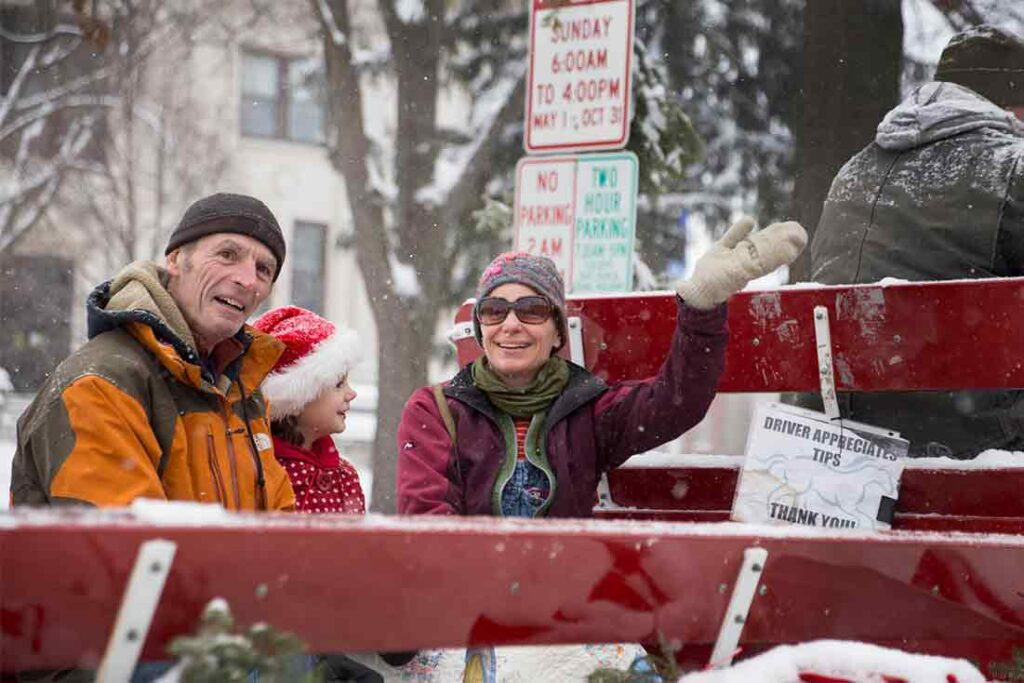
515	350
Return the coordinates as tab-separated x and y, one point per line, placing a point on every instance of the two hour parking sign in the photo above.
580	211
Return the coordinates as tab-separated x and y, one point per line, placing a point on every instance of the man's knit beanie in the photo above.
536	272
987	60
234	213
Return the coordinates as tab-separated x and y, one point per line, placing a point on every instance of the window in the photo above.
308	265
306	102
282	98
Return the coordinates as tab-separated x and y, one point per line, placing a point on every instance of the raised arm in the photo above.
634	417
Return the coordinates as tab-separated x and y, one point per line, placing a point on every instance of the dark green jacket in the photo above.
939	195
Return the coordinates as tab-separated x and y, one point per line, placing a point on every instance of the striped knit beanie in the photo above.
536	272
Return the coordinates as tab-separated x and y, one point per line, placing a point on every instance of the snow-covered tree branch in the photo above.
101	131
40	153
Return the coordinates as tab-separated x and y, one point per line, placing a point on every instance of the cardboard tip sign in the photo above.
804	468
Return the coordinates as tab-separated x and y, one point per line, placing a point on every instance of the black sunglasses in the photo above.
531	310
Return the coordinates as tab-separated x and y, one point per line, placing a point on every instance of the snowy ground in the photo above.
514	664
835	660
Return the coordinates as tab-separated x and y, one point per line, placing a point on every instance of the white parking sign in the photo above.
580	211
579	77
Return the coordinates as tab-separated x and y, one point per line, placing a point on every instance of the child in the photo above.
309	396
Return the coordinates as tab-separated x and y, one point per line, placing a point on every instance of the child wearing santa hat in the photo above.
309	397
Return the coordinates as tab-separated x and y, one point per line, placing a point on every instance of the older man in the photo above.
938	195
163	401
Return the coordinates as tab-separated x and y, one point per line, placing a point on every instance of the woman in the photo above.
533	433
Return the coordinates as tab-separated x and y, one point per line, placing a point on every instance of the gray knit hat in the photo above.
235	213
536	272
987	60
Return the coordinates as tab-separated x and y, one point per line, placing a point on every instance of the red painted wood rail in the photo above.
350	584
908	336
974	500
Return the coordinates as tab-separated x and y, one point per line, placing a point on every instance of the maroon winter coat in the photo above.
591	427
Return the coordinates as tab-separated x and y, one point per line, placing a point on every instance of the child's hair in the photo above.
287	429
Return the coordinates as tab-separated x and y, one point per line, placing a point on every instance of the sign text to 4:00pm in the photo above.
579	78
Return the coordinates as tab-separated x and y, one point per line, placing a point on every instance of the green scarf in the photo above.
545	388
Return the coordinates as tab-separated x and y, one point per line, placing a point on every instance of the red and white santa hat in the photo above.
317	355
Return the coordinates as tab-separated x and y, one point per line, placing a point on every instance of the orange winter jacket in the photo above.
133	414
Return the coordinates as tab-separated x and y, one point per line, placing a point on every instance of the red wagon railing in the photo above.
947	580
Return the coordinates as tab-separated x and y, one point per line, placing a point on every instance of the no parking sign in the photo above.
580	211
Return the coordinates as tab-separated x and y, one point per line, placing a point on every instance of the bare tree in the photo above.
157	152
100	121
53	94
408	192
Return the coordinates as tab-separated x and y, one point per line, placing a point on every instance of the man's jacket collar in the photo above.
144	314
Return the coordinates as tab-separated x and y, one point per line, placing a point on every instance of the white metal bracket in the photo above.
826	375
575	325
146	583
460	331
739	606
604	494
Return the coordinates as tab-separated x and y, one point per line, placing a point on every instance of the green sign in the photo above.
605	222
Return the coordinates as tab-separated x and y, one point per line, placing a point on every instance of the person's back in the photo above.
932	198
938	195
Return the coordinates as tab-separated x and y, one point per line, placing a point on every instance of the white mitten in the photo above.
740	257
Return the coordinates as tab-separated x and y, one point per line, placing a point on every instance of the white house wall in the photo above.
295	179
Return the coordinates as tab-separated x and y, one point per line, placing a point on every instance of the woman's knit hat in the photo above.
536	272
988	61
235	213
316	356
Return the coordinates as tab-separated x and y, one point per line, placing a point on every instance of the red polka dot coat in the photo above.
323	480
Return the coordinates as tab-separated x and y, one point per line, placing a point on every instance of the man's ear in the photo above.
173	263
